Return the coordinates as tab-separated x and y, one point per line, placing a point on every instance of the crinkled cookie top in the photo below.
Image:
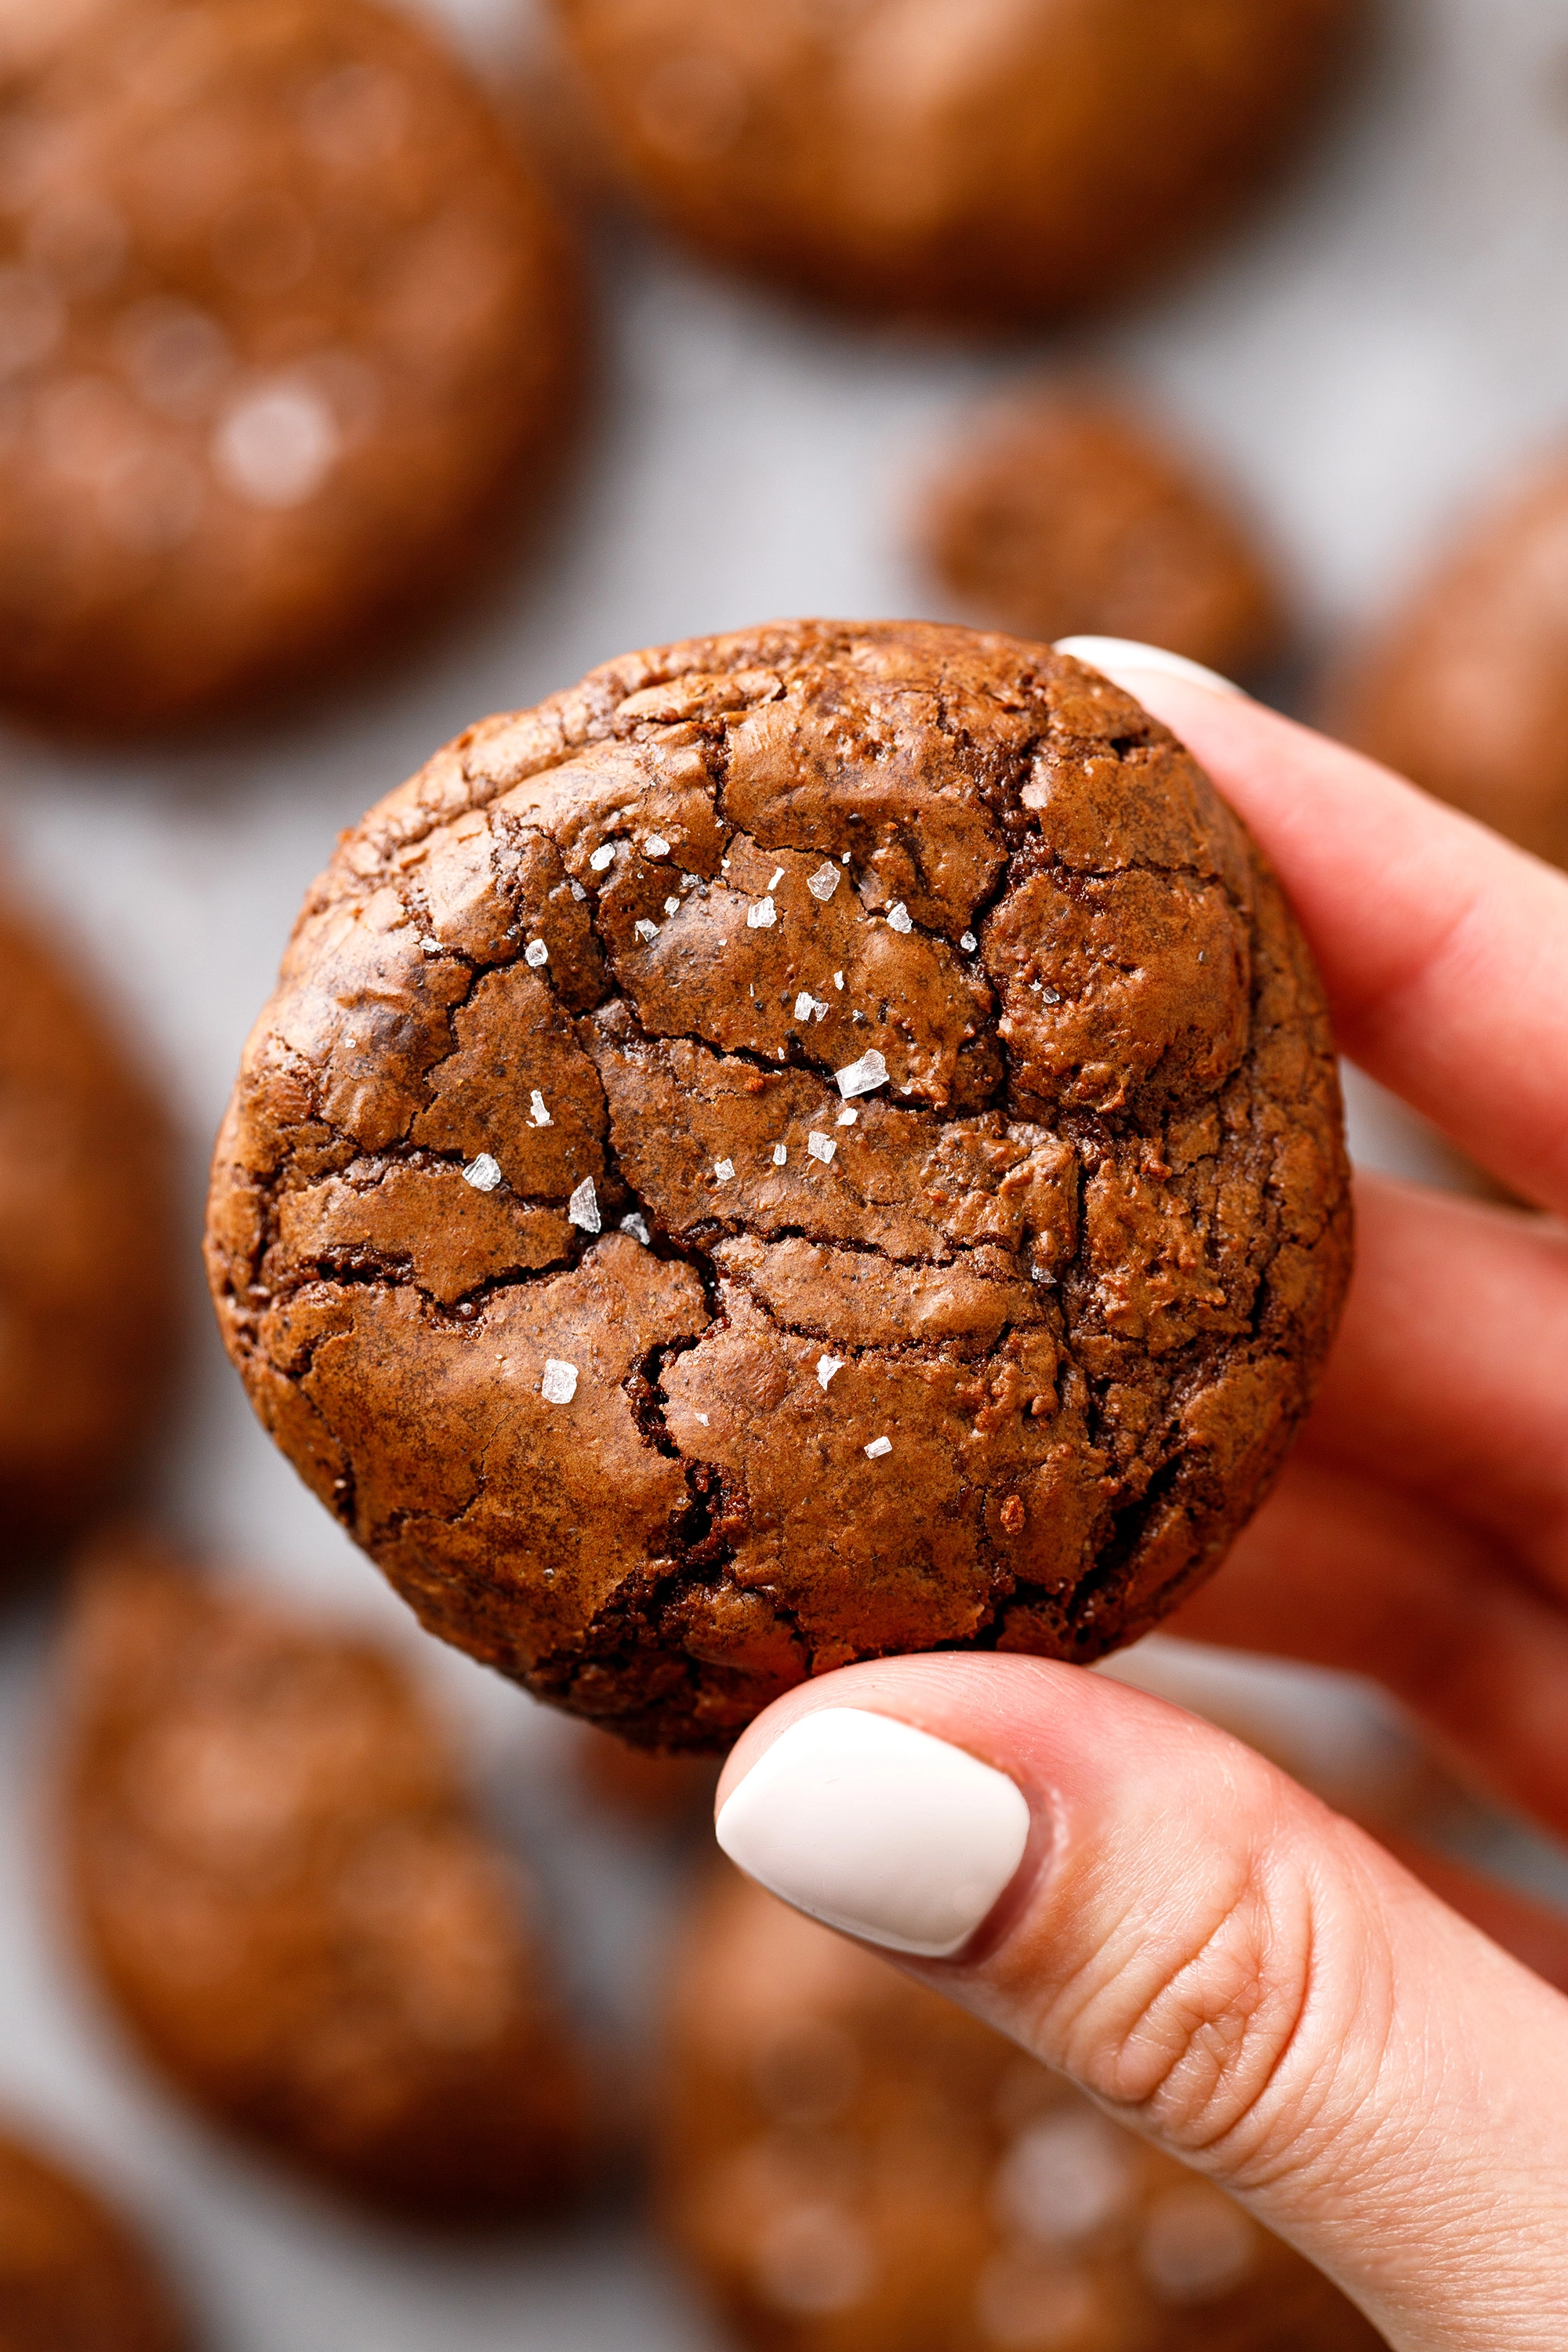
814	1143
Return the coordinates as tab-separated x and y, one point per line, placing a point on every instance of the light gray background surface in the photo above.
1370	356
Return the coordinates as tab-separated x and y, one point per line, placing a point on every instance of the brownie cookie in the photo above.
1467	693
978	162
813	1143
285	1890
87	1294
851	2164
72	2278
1060	515
285	327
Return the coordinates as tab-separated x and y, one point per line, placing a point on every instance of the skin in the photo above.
1272	1994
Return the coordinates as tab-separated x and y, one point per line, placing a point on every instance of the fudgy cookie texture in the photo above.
813	1143
1062	515
851	2164
286	328
284	1886
72	2277
978	162
88	1289
1467	691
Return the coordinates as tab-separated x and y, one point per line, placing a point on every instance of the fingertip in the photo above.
1133	666
876	1827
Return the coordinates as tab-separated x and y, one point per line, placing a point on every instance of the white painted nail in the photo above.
1123	661
877	1829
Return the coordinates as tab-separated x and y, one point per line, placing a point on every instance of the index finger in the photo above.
1443	948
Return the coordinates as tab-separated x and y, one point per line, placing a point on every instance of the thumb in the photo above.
1227	1965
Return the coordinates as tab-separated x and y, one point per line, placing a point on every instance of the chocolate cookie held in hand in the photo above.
814	1143
284	1888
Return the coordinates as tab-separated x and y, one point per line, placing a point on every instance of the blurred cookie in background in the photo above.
1060	514
286	1890
1466	689
970	161
286	328
652	1792
851	2164
29	31
543	92
72	2277
88	1286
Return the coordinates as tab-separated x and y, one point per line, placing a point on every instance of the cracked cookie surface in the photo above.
813	1143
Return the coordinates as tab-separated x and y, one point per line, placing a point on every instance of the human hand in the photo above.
1140	1900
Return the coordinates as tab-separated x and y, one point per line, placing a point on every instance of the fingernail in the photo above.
877	1829
1123	661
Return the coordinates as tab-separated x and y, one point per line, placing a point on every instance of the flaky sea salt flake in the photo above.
578	891
583	1208
864	1077
635	1224
781	1155
604	857
877	1447
803	1005
724	1170
968	943
536	1109
846	1118
778	874
536	953
645	930
900	917
655	846
672	905
838	979
823	883
559	1385
483	1173
821	1147
760	915
826	1366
